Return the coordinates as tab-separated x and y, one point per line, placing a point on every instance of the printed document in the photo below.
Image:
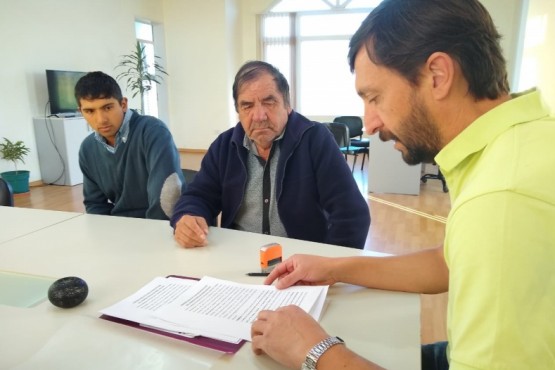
210	307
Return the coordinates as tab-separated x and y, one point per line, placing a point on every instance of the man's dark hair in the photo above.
97	85
402	34
252	70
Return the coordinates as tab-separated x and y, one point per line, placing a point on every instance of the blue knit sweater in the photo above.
141	179
317	197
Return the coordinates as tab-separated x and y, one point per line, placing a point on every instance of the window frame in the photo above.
295	43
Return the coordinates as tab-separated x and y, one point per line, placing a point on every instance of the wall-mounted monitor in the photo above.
61	85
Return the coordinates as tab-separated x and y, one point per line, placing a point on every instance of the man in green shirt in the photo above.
433	79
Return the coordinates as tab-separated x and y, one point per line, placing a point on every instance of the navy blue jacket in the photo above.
317	198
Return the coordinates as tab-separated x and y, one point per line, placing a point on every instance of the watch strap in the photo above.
318	350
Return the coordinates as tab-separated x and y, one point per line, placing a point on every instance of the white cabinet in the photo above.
388	173
58	141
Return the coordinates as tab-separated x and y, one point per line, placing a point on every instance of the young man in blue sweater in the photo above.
274	173
130	164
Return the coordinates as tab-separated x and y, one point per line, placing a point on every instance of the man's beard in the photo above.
419	133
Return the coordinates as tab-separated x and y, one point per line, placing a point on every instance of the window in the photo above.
144	34
308	41
534	39
311	5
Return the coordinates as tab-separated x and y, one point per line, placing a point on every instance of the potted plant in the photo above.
15	151
136	72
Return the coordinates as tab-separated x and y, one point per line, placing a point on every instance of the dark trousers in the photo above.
434	356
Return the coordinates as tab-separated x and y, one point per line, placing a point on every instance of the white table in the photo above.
117	256
16	222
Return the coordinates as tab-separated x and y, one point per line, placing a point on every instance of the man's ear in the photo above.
124	104
441	68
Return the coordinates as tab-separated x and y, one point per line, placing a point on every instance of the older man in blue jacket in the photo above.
275	173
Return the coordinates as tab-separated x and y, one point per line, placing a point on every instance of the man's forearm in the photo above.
341	357
420	272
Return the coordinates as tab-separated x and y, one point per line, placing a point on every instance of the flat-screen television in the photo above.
61	85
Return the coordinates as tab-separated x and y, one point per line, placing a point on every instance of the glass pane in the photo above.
151	101
279	56
308	5
330	24
327	85
354	4
534	39
150	97
276	26
149	53
143	31
298	5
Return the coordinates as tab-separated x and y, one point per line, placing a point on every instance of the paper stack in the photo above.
210	312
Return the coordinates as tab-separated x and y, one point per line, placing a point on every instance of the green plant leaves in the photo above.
14	151
135	72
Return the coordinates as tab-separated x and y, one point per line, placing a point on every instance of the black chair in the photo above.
438	176
189	175
355	132
340	132
6	193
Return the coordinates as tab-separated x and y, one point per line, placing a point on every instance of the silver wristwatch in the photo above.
318	350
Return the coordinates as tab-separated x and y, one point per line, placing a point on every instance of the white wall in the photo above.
63	34
203	50
249	26
206	42
199	52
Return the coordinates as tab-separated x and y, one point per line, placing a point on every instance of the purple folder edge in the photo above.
215	344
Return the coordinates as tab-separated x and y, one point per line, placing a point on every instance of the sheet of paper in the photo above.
23	290
142	306
149	299
229	308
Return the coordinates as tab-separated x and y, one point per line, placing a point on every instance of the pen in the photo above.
258	273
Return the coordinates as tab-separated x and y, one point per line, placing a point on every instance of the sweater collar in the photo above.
121	136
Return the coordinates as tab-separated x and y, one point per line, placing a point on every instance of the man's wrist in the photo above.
318	350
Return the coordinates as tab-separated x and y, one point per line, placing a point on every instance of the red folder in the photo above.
218	345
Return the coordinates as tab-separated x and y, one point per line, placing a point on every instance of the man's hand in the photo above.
191	231
286	335
302	269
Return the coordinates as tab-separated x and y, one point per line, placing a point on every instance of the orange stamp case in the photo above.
270	256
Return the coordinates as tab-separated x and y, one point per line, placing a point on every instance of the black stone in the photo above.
68	292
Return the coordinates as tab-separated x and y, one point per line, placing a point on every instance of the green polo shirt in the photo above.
500	238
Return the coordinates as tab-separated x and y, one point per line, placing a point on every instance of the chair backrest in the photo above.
6	193
189	175
353	122
340	132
